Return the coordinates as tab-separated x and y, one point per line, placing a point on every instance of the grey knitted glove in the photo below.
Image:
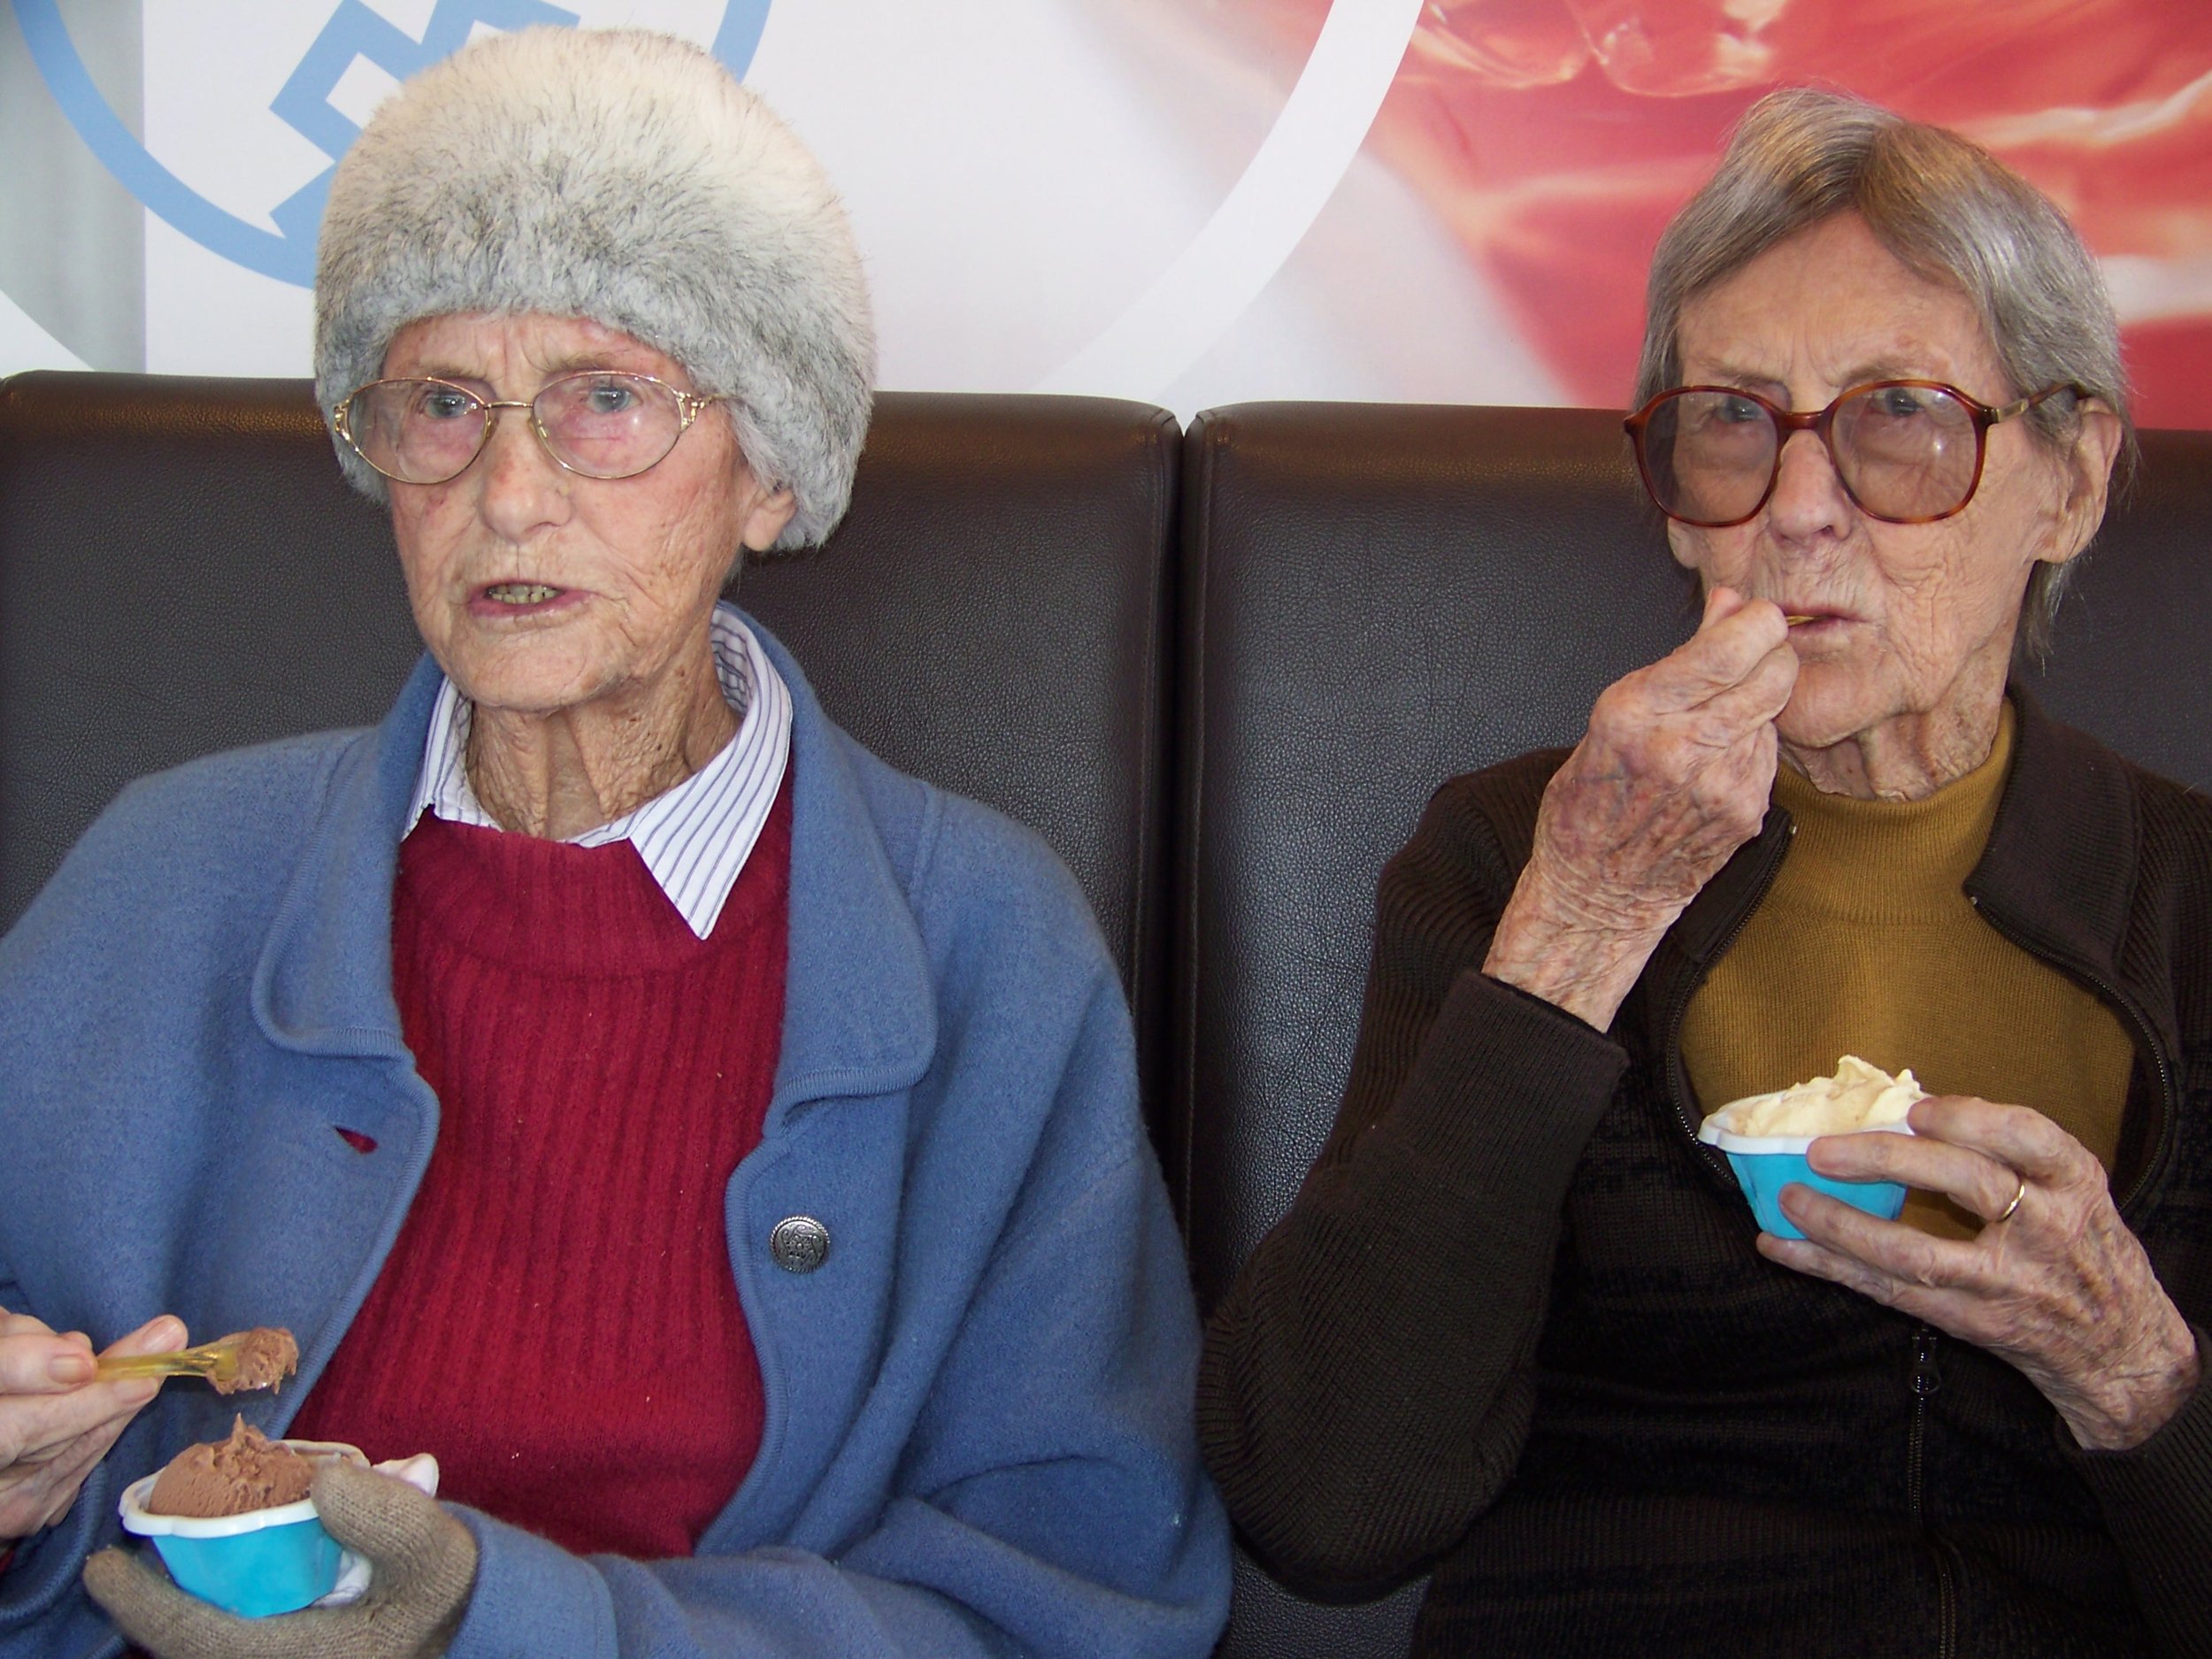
423	1561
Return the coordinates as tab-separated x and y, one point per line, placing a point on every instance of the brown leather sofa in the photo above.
1220	677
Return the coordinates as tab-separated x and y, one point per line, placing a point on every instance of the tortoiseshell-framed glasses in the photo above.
1906	451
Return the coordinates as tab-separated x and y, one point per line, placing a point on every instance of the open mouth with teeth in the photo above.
521	593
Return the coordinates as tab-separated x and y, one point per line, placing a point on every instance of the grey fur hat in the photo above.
626	177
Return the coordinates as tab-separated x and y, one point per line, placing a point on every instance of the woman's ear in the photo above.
770	511
2086	477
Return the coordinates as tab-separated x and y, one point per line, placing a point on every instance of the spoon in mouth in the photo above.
259	1358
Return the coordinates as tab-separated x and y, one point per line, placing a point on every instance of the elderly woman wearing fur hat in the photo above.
720	1150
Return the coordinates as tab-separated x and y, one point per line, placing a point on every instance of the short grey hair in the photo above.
625	177
1949	211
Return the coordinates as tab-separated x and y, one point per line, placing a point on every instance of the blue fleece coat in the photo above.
978	1437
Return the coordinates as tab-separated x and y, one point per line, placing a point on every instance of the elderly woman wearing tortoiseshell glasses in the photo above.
1519	1327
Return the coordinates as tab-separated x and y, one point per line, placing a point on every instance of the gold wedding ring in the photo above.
2018	1193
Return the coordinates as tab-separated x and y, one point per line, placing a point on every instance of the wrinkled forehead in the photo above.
1829	308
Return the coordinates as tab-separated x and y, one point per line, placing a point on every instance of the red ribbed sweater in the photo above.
557	1321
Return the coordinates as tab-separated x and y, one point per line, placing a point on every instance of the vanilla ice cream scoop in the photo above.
1858	1096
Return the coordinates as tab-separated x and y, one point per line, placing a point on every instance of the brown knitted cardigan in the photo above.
1513	1330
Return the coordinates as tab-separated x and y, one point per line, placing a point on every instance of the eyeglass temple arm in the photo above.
1991	417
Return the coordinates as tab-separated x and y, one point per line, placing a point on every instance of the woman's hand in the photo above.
2054	1283
1671	778
56	1422
422	1567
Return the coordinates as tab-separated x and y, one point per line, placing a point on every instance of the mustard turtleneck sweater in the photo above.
1865	944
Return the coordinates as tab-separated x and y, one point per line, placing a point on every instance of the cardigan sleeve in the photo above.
1367	1381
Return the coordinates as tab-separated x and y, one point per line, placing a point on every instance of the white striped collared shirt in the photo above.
695	838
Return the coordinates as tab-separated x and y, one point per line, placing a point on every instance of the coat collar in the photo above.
2060	868
860	1017
324	982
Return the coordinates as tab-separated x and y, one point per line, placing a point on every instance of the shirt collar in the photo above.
695	838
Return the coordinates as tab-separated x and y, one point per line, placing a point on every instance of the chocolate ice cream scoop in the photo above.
266	1357
259	1358
247	1472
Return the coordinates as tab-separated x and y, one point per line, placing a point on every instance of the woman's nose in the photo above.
1808	497
519	486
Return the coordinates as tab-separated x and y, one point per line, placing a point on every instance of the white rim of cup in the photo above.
1754	1146
137	1519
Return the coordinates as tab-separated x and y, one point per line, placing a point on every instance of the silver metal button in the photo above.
800	1244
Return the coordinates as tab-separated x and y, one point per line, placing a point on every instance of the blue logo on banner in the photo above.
302	103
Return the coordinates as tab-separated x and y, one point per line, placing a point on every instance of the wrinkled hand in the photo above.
423	1566
55	1423
2060	1288
1671	778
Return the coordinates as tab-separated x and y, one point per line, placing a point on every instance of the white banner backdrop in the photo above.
1064	195
1193	203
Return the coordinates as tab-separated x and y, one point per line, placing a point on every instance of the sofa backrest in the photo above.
1378	598
2132	662
183	569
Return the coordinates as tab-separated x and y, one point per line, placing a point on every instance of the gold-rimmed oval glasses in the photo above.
1906	451
597	423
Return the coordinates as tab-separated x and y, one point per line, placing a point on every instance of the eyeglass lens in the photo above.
600	424
1904	452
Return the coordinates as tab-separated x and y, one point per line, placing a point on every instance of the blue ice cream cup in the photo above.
276	1560
1764	1165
